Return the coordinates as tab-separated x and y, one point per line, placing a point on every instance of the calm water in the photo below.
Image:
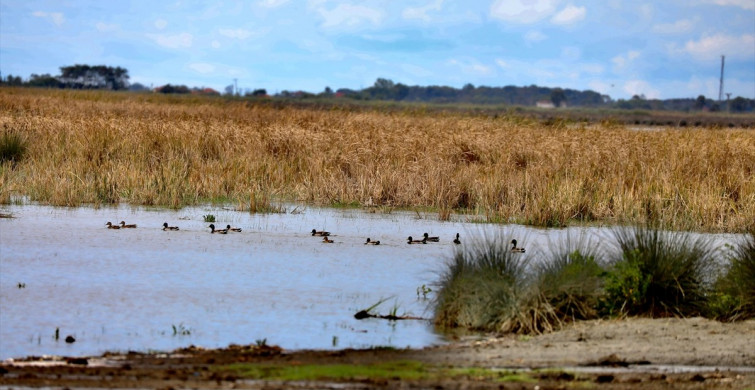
122	290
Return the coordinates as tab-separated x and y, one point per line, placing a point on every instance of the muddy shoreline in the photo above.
629	353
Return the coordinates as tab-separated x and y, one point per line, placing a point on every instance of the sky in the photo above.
658	49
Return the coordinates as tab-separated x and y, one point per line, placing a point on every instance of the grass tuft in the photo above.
734	296
658	273
12	146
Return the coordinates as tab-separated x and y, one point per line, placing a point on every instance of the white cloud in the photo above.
173	41
471	67
421	13
746	4
202	67
720	44
534	36
271	3
678	27
501	63
569	15
104	27
215	44
161	24
238	33
522	11
347	15
56	18
623	61
639	88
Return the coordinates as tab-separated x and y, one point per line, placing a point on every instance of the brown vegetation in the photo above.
89	147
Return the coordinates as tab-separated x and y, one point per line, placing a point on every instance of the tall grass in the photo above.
149	149
734	297
659	273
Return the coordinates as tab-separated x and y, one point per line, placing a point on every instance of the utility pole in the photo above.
721	84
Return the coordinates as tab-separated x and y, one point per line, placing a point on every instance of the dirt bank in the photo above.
632	353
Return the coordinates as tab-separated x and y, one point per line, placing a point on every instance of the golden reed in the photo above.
88	147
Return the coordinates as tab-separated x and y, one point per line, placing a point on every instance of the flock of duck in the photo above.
317	233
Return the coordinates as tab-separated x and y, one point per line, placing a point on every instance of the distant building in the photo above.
545	104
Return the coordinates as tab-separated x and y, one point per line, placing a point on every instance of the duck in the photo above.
111	226
124	226
230	229
456	240
371	242
326	240
221	231
431	239
166	227
323	233
515	249
413	241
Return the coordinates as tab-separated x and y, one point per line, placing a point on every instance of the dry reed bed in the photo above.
94	147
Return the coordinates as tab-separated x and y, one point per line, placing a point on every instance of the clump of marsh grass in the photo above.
734	296
658	273
570	279
12	146
484	287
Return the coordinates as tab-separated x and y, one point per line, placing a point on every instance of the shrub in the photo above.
734	296
658	273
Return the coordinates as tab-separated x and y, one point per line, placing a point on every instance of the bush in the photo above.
734	296
658	273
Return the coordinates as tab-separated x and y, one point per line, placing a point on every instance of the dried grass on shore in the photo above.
95	147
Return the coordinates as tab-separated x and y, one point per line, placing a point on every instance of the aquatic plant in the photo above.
733	297
181	330
570	279
208	218
656	273
484	287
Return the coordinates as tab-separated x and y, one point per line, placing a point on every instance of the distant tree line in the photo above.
77	77
116	78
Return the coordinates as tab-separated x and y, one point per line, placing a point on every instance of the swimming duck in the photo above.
124	226
221	231
166	227
111	226
326	240
230	229
432	239
371	242
456	240
514	248
320	233
413	241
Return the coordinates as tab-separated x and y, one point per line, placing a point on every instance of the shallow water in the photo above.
123	290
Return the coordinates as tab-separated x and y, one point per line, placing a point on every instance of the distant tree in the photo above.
167	88
740	104
259	92
138	87
558	96
102	77
327	91
12	80
44	80
382	83
229	90
700	102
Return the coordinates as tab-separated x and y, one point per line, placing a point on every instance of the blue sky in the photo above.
660	49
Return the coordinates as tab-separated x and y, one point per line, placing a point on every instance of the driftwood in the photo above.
362	314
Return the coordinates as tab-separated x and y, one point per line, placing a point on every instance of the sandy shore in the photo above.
632	353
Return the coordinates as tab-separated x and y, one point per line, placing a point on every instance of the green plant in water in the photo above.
423	290
734	293
209	218
181	330
261	342
659	273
